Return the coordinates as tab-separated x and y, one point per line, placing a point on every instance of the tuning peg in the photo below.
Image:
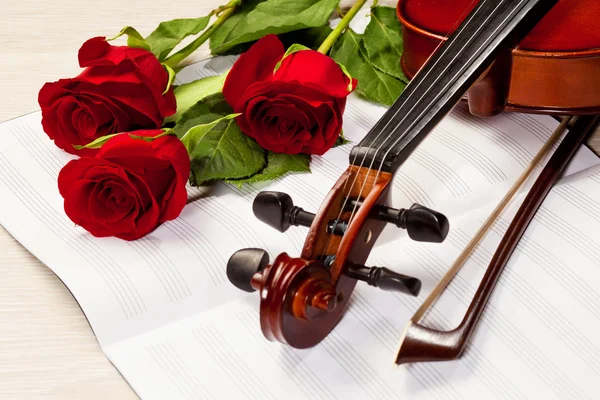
243	265
277	210
422	224
384	278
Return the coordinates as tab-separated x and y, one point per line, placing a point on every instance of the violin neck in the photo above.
492	26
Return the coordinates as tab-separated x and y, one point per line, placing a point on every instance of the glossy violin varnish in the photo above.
554	69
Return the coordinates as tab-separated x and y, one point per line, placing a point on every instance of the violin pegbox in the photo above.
302	299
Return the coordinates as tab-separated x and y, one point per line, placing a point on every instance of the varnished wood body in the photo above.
529	80
424	344
301	299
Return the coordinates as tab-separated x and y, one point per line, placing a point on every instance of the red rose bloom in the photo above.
129	188
298	108
120	90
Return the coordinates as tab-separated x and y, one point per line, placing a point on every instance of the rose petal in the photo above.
256	65
316	70
97	51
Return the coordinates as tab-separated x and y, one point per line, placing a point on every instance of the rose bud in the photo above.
296	109
120	90
129	188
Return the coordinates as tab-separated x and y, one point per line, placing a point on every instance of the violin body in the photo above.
555	69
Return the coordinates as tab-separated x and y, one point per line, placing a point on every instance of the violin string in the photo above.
347	197
414	106
463	68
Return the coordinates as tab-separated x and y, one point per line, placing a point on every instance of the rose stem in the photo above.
337	32
226	12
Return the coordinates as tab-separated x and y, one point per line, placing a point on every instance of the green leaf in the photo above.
166	132
294	49
192	138
257	18
383	41
345	71
99	142
291	50
206	110
172	74
96	144
134	38
190	93
219	150
169	34
278	165
373	84
341	140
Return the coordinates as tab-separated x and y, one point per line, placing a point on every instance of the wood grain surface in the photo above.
47	349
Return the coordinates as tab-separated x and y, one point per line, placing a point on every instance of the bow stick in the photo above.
419	343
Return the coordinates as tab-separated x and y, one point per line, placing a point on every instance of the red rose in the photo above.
129	188
120	90
298	108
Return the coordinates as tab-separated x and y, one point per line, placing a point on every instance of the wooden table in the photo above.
47	349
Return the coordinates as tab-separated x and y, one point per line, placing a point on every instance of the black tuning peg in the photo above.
422	224
384	278
277	210
243	265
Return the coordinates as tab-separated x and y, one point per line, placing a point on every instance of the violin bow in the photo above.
419	343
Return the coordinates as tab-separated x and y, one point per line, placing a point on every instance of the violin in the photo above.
302	298
555	69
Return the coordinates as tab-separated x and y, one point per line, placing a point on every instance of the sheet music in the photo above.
537	338
170	288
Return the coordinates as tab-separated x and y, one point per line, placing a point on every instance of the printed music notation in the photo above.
168	319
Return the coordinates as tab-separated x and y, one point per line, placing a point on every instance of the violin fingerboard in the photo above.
492	26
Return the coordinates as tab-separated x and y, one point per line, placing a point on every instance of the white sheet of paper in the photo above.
167	318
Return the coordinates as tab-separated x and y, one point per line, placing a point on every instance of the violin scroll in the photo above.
302	299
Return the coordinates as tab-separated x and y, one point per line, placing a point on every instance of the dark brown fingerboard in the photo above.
492	26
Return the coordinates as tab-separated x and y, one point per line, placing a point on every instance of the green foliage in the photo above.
223	152
172	74
206	110
96	144
217	147
99	142
373	84
294	49
190	93
278	165
341	140
383	41
257	18
291	50
170	33
166	37
220	151
134	38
